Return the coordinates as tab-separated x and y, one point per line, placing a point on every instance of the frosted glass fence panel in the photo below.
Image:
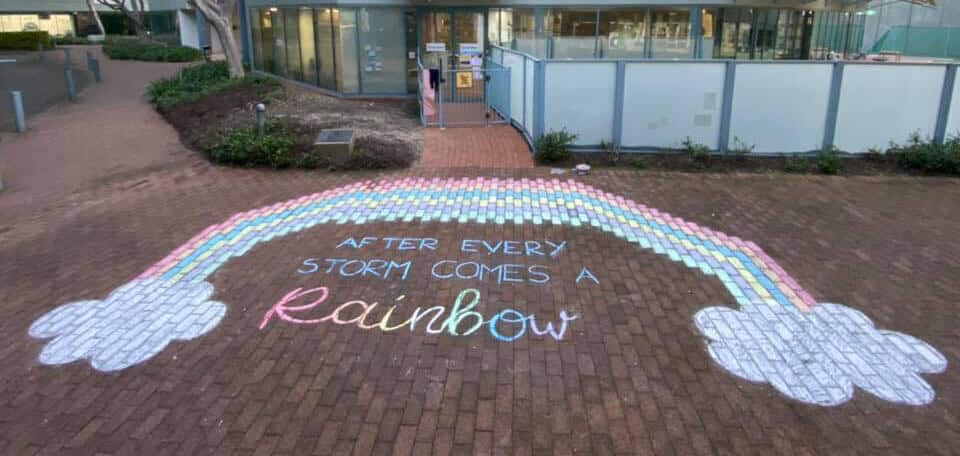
882	103
579	96
666	102
528	85
574	47
515	63
496	55
953	119
780	107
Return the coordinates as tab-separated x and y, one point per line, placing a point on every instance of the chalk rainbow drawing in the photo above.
811	352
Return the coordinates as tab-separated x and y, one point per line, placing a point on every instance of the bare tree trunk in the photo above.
96	16
220	17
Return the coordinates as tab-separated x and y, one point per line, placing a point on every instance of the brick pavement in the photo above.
632	374
496	146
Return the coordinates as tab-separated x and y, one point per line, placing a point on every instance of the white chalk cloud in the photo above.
134	323
819	356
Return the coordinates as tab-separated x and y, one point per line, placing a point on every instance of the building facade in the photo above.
372	48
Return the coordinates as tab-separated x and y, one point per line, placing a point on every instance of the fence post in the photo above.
96	70
946	99
66	57
726	109
618	104
71	85
539	102
20	119
439	92
833	104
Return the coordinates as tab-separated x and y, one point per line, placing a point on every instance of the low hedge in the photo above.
927	156
151	52
25	41
194	82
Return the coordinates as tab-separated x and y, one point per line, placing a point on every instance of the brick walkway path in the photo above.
498	146
630	375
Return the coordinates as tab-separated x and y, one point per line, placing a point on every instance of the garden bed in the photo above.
217	116
866	164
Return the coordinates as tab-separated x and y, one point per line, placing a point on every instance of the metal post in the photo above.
619	92
40	50
71	85
66	56
439	92
726	109
833	105
261	118
946	99
21	120
95	68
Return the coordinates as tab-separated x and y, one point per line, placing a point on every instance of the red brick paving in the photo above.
632	377
496	146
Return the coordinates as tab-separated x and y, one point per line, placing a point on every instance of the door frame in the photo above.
452	11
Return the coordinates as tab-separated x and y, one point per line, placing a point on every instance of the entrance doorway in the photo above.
458	86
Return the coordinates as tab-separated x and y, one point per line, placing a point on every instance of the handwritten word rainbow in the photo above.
747	272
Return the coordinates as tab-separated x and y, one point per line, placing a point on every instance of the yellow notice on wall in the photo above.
464	80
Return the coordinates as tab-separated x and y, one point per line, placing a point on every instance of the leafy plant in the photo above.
828	161
199	80
611	148
699	154
245	146
25	41
928	156
796	164
152	52
554	146
741	149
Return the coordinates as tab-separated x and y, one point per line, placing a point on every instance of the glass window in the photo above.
708	28
308	47
623	33
670	33
325	47
348	74
256	21
525	31
493	26
436	29
506	27
291	25
383	49
573	33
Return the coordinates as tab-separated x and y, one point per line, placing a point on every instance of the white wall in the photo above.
882	103
666	102
579	97
188	28
780	107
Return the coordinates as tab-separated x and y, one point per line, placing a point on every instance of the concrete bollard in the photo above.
20	119
261	118
71	85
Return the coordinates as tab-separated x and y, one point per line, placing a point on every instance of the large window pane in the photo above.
256	27
308	48
708	29
623	33
574	33
437	28
525	31
348	76
325	45
383	50
291	22
670	33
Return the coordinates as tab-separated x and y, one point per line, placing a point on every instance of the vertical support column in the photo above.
726	109
618	104
596	37
523	115
833	104
66	58
539	101
696	23
71	85
648	35
203	40
946	99
245	41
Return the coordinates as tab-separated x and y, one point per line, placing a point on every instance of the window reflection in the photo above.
623	33
670	33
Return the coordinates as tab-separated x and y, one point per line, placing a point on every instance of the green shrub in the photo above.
152	52
699	154
795	164
554	146
194	82
828	161
70	39
245	146
25	41
928	156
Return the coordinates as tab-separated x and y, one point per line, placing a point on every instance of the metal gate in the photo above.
464	96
